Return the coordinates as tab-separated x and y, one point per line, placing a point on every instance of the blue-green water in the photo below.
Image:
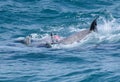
95	59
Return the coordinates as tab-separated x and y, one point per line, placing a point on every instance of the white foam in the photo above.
109	31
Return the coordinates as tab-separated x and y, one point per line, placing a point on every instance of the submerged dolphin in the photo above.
77	37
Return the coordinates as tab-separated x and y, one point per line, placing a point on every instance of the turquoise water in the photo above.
94	59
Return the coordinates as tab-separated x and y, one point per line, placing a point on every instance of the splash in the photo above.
109	31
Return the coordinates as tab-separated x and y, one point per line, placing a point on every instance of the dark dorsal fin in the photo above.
93	26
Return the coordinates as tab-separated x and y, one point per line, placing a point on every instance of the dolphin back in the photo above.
77	37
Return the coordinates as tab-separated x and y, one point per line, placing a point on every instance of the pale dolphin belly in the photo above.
75	37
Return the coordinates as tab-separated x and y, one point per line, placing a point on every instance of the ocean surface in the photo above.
95	59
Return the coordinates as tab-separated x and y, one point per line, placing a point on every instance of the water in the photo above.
94	59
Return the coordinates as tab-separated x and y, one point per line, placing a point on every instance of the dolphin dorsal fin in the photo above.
93	26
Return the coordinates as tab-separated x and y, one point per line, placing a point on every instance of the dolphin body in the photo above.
47	42
77	37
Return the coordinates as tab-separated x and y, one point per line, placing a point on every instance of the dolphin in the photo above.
49	41
77	37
